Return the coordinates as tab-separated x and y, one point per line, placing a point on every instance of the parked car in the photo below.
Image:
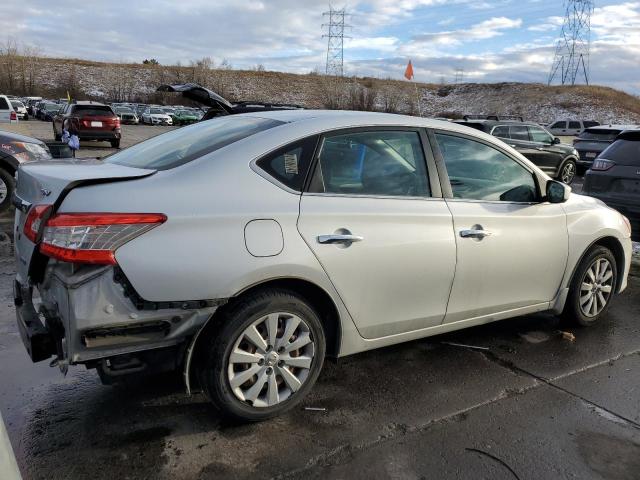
14	150
534	142
184	117
298	234
614	177
594	140
49	111
156	116
7	113
31	103
570	127
126	115
41	107
218	105
21	110
96	121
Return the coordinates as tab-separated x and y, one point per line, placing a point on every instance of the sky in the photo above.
491	40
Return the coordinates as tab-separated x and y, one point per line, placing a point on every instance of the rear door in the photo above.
574	128
512	248
545	155
380	228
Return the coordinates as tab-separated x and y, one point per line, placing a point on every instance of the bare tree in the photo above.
9	64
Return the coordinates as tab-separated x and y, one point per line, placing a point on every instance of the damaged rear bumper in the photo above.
87	315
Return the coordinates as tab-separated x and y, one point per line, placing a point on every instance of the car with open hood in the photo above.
218	105
291	236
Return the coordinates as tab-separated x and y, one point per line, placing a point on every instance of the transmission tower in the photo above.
571	60
459	75
335	43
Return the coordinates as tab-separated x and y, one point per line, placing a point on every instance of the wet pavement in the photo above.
534	405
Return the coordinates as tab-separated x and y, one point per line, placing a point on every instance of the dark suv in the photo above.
95	121
594	140
614	177
534	142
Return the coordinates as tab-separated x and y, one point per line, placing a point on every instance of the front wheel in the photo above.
265	357
568	172
592	287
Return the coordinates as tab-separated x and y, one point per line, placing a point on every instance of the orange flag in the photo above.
408	73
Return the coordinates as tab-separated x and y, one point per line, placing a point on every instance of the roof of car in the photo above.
633	135
613	127
90	102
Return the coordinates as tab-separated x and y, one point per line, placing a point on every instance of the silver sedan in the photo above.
245	249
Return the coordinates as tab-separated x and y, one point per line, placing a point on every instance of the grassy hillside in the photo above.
135	82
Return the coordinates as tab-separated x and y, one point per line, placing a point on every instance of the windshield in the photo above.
156	111
186	144
599	134
52	107
623	152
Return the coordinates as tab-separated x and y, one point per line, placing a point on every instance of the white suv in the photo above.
7	113
570	127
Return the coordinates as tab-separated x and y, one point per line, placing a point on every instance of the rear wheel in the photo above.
115	143
7	186
265	357
592	287
568	172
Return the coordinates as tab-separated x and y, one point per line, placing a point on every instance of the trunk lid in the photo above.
47	183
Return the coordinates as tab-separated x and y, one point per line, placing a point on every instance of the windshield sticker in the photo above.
291	163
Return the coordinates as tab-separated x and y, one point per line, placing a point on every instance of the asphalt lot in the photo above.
533	405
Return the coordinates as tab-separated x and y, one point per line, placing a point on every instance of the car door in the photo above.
380	228
574	128
545	154
559	128
512	247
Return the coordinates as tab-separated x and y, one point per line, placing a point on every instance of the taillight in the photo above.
13	115
94	237
34	220
600	165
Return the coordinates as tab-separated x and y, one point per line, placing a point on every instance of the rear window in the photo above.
93	110
588	124
598	134
4	105
623	152
186	144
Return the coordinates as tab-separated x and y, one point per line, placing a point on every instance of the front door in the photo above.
512	249
384	241
546	155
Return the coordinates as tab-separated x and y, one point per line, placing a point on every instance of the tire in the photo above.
7	187
578	310
567	172
217	372
26	117
115	143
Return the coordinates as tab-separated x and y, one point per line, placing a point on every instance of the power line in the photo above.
335	40
571	60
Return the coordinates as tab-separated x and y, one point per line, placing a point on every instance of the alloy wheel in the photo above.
596	287
568	173
4	190
271	359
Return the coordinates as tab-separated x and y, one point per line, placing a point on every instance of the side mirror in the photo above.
557	192
555	141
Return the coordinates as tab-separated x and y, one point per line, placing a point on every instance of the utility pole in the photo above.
459	76
571	60
335	40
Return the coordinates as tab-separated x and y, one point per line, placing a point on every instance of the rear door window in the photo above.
181	146
623	152
559	125
519	132
540	135
501	132
574	126
375	163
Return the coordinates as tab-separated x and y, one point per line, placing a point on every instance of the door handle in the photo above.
477	233
513	146
339	238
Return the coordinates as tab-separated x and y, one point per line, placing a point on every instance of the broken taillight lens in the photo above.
34	220
94	237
